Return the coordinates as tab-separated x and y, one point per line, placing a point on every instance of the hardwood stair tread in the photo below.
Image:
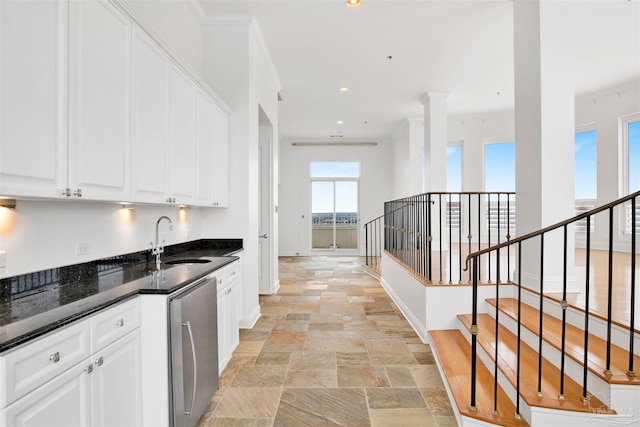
454	353
574	345
550	385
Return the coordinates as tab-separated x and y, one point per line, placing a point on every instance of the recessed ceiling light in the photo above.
340	122
353	3
344	89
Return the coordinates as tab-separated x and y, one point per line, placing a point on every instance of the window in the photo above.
335	169
633	143
500	166
586	166
630	135
454	168
334	205
586	174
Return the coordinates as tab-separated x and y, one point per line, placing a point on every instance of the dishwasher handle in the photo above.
195	367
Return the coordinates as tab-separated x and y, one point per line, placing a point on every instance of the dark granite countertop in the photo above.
34	304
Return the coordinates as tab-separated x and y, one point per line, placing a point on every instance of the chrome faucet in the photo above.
157	249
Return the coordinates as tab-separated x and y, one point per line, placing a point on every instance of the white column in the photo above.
435	141
416	149
544	134
435	161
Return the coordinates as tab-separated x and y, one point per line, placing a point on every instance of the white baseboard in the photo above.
248	322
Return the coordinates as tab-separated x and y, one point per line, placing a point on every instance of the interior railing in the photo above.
432	233
373	237
622	217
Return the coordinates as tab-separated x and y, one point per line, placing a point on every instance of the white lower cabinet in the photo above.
101	389
116	398
63	401
228	313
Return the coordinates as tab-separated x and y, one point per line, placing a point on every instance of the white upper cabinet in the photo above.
94	107
182	137
100	70
150	124
205	158
33	118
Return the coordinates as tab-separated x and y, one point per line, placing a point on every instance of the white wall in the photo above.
238	67
38	235
376	187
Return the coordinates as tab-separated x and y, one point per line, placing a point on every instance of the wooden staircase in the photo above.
613	398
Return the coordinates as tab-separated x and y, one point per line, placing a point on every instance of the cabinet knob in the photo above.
88	369
120	323
99	361
55	357
78	192
66	192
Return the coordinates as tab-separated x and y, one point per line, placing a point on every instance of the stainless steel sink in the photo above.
189	261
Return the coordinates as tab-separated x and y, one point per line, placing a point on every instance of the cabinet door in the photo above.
63	401
221	156
33	109
100	64
116	383
150	121
182	144
205	133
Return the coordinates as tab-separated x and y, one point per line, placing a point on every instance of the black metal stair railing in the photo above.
431	233
627	225
373	232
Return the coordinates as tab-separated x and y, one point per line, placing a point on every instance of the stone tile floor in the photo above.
331	349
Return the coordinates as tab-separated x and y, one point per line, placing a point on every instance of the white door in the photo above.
33	110
116	383
182	141
99	100
150	127
265	276
205	140
62	402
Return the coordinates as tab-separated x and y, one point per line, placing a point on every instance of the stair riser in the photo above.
573	369
509	389
597	326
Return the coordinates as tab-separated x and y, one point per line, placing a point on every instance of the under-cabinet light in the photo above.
8	203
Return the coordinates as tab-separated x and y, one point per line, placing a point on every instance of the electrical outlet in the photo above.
82	248
3	259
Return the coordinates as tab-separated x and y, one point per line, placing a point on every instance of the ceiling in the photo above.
389	53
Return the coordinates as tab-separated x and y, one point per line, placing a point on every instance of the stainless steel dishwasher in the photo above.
193	313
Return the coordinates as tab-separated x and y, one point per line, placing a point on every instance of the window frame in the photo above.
623	134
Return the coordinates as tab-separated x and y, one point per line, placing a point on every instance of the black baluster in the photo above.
564	313
632	309
539	392
607	370
585	370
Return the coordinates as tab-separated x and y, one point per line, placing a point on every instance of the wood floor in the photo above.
331	349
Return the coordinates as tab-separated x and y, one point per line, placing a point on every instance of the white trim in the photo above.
408	314
248	322
623	138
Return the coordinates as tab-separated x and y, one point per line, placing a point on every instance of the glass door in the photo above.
334	214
